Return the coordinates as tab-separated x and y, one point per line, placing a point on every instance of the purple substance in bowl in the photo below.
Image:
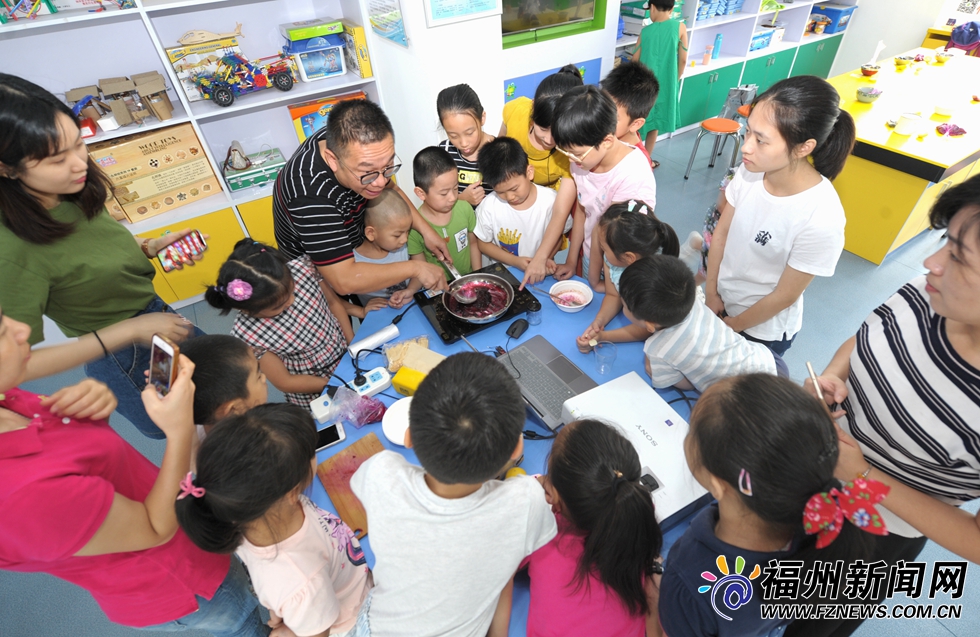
490	298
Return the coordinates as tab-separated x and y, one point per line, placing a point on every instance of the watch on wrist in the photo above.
145	245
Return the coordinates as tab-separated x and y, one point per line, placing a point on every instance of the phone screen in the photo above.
161	369
182	251
326	437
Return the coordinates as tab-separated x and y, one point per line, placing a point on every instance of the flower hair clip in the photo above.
238	290
825	512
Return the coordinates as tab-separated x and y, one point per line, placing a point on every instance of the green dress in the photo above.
658	51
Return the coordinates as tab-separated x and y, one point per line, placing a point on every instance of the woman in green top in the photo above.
63	256
662	49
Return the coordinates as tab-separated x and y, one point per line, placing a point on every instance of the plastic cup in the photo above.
605	356
534	318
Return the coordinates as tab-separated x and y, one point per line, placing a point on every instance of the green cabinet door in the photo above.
694	96
804	59
725	79
825	57
779	69
756	71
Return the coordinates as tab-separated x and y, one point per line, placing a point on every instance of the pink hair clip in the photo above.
187	488
238	290
745	483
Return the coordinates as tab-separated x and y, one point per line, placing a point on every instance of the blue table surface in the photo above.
561	329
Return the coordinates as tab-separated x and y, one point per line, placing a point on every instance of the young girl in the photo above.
596	577
663	49
530	124
627	232
462	117
784	223
605	169
283	315
306	565
767	452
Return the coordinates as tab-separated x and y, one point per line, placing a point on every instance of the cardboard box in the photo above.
290	47
319	65
196	59
265	168
116	85
157	171
310	28
356	51
309	117
152	89
77	94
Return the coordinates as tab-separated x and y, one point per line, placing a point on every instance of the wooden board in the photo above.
335	473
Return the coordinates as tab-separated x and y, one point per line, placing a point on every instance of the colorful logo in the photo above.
734	589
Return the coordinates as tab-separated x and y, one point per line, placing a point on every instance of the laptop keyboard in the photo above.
537	380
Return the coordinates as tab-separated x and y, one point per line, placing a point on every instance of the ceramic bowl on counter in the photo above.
868	94
903	60
870	69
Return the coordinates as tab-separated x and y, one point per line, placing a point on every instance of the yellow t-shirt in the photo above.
549	166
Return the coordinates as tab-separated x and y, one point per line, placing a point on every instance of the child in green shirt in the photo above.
452	218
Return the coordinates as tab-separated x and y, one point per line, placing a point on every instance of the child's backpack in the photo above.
966	37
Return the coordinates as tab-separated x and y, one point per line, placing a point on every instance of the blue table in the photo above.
561	329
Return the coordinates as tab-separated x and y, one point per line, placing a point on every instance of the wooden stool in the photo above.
721	128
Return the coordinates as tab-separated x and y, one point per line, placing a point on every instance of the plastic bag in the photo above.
349	407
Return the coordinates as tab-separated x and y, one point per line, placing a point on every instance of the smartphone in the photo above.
163	363
182	251
329	436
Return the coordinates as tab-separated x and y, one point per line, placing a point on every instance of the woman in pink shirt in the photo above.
596	577
78	502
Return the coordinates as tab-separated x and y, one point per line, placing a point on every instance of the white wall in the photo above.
949	10
411	78
901	24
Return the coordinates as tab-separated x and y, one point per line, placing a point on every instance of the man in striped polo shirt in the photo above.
322	193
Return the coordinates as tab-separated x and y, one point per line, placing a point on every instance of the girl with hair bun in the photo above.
284	315
783	223
597	576
247	498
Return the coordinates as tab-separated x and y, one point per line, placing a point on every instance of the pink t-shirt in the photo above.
57	481
315	579
558	608
631	178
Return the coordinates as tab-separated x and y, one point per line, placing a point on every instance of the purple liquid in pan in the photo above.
490	298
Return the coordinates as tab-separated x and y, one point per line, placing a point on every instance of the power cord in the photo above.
530	434
398	319
689	400
506	350
359	378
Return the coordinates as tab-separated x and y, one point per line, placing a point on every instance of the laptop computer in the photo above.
546	378
657	432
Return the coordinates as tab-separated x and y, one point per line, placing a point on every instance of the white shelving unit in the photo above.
71	49
737	30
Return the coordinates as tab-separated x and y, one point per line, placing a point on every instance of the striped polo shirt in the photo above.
313	214
913	403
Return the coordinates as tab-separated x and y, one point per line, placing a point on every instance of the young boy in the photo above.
447	536
689	347
452	218
386	225
634	89
510	223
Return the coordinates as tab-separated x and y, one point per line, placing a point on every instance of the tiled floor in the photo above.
38	605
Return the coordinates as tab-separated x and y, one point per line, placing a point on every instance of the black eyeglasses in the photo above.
372	176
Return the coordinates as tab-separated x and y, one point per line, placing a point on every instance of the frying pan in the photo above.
447	298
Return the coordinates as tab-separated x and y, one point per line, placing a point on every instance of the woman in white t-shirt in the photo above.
783	223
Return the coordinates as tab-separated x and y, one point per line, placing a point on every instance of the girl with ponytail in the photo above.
285	316
783	223
596	577
766	451
306	565
625	233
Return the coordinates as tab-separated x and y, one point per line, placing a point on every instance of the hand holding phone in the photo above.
182	252
163	363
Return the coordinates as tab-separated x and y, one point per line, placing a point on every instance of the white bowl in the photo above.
581	289
394	423
944	110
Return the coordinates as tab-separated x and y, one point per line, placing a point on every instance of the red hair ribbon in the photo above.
825	512
187	488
